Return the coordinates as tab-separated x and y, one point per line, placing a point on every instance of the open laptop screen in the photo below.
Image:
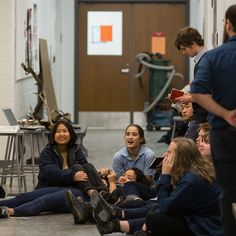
9	116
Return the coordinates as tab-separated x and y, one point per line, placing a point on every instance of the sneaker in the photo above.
79	209
102	211
4	212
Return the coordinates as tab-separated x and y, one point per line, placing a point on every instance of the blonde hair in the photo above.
188	159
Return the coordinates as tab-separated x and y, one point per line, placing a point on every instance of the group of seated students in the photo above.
182	200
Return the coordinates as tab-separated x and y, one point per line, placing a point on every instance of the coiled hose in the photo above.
143	59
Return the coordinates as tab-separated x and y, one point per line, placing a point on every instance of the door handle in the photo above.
125	70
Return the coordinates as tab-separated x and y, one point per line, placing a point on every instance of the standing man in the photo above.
190	42
216	75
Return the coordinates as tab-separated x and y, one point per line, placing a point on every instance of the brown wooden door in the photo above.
101	84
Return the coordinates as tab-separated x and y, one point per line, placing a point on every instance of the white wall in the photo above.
202	18
55	23
65	57
47	29
46	25
196	21
221	6
7	49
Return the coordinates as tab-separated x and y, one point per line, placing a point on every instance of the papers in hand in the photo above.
175	93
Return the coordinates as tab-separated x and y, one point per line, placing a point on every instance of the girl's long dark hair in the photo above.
140	177
73	136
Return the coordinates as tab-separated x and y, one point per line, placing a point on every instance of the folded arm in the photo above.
207	102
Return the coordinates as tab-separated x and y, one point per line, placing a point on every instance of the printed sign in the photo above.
104	33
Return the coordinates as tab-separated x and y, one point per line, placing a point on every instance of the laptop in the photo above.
7	111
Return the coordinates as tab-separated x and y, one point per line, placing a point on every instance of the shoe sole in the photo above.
71	204
102	211
100	230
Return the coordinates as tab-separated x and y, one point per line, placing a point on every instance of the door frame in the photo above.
77	31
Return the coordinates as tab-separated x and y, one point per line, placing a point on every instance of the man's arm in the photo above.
186	98
207	102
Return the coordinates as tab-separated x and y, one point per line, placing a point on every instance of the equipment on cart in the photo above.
161	75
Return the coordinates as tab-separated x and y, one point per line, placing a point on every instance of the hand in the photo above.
111	176
167	164
186	98
105	182
230	117
104	172
144	227
80	176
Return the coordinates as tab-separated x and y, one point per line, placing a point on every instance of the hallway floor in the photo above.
101	145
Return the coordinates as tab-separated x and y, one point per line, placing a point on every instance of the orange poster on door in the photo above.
159	43
106	33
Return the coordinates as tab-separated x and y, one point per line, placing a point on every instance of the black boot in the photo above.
131	201
109	227
102	210
80	210
115	196
4	212
111	198
106	195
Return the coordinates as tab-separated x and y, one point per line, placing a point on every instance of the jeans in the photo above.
136	216
223	149
138	189
32	203
94	180
167	224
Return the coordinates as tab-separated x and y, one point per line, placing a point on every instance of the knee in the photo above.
77	167
88	166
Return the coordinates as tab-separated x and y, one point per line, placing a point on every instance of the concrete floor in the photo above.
101	145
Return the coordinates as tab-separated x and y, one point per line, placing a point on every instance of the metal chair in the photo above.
13	163
175	120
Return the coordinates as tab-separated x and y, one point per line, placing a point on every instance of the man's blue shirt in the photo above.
216	75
